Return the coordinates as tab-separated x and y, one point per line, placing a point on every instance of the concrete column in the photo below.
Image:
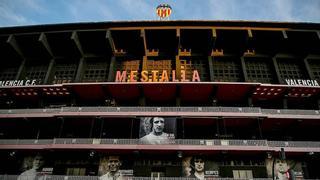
306	63
20	70
183	133
250	102
49	72
112	69
144	63
210	63
285	103
101	127
244	69
61	126
80	69
259	120
92	127
142	101
178	101
178	68
276	67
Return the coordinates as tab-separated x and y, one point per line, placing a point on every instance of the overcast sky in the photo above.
30	12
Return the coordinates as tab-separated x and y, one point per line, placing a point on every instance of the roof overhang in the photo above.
164	91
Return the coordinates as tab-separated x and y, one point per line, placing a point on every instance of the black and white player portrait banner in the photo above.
157	130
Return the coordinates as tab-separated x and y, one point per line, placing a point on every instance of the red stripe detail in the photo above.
163	12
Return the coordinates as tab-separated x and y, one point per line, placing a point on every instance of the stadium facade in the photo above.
182	99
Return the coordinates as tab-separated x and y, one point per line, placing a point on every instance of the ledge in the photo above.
244	112
178	144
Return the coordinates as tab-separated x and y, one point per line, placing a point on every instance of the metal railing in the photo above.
196	142
62	177
313	144
241	110
290	112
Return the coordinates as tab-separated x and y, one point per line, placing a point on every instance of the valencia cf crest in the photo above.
164	11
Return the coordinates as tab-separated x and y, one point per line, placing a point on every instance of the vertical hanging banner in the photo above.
33	168
282	169
157	130
199	167
114	168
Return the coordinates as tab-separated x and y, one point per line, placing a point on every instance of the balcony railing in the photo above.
62	177
214	111
290	111
196	142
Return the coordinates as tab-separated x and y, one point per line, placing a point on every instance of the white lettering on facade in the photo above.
27	82
19	82
301	82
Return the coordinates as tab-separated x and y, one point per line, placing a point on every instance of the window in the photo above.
37	72
127	65
259	70
8	74
197	63
242	174
226	69
64	73
291	69
95	72
160	65
76	171
315	67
